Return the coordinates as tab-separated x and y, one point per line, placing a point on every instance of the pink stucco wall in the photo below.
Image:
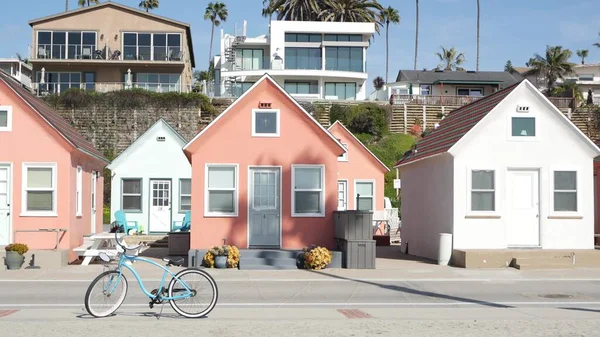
32	140
230	140
360	165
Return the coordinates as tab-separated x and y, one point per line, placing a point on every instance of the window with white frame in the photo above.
221	190
265	123
79	183
565	191
5	118
483	192
344	156
131	194
365	195
308	190
185	195
39	188
523	126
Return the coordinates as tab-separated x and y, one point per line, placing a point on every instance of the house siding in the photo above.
23	145
557	148
230	141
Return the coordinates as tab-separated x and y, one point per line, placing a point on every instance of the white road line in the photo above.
331	280
344	304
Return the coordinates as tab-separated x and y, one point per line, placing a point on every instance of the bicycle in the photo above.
177	289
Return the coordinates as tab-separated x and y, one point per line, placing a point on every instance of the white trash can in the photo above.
444	248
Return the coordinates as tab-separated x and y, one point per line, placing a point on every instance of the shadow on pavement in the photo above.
582	309
417	292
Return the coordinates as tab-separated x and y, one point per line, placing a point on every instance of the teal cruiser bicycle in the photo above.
192	292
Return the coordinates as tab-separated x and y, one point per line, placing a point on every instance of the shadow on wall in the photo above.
296	232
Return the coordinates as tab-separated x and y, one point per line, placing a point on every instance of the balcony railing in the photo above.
42	89
90	52
454	100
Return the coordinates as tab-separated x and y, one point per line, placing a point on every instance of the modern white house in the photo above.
151	179
506	171
311	60
18	70
587	77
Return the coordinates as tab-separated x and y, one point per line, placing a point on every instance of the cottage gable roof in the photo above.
123	8
360	143
140	140
62	127
266	77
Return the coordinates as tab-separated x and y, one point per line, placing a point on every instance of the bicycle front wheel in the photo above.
204	293
105	294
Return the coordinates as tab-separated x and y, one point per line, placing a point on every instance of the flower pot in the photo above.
221	261
14	260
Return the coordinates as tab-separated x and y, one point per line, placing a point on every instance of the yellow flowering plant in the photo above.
316	257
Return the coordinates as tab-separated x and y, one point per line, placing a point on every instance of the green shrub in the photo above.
369	118
106	214
340	113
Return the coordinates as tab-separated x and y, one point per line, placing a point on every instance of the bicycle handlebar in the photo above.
126	248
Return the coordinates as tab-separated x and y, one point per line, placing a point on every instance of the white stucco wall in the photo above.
427	204
148	159
558	147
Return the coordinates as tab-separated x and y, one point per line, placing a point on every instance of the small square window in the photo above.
523	126
5	118
265	123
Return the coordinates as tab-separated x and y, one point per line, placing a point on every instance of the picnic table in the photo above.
101	243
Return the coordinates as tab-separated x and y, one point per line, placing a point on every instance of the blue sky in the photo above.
510	29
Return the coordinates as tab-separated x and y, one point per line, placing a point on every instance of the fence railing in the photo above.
42	89
90	52
455	100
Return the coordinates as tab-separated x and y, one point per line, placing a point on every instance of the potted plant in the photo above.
224	256
14	255
316	257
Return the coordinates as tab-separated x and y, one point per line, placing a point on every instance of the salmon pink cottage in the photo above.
265	174
51	183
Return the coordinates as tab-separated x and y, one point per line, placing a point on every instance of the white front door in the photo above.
5	185
523	208
160	206
342	195
93	216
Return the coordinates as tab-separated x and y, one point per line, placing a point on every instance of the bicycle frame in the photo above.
122	263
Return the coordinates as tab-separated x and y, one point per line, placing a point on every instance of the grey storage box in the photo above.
353	225
358	254
179	243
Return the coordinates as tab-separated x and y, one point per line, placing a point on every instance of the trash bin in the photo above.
444	248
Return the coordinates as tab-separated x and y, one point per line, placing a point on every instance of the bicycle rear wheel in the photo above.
105	294
203	287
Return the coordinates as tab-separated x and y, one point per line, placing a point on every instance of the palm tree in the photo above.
298	10
451	59
66	5
583	53
216	13
555	65
83	3
597	44
388	15
478	16
416	35
148	4
378	83
351	11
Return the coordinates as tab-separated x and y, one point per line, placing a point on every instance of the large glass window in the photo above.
221	187
343	91
39	188
565	191
131	194
483	191
344	37
295	37
302	88
307	189
303	58
157	82
344	59
365	194
152	46
249	59
66	45
58	82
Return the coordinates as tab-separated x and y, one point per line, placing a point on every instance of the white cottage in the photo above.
151	179
507	171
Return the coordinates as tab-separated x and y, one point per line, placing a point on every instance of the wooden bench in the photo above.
43	230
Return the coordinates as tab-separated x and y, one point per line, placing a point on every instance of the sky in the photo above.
509	30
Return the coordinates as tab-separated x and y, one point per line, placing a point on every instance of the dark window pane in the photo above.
174	40
523	126
44	38
565	181
89	38
356	38
59	38
307	202
160	40
565	201
129	53
330	37
132	186
144	39
74	38
265	122
129	39
302	37
289	37
482	201
315	38
132	202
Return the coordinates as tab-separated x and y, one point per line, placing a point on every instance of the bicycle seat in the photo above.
175	262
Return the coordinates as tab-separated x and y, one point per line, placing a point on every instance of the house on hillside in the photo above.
109	46
17	69
266	174
51	182
151	180
507	171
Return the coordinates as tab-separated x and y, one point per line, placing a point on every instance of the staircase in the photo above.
268	259
230	53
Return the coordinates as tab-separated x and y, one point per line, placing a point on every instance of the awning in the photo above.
466	82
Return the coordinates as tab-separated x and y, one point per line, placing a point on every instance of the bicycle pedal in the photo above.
151	305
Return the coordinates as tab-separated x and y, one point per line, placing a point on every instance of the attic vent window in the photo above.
160	139
264	105
522	108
